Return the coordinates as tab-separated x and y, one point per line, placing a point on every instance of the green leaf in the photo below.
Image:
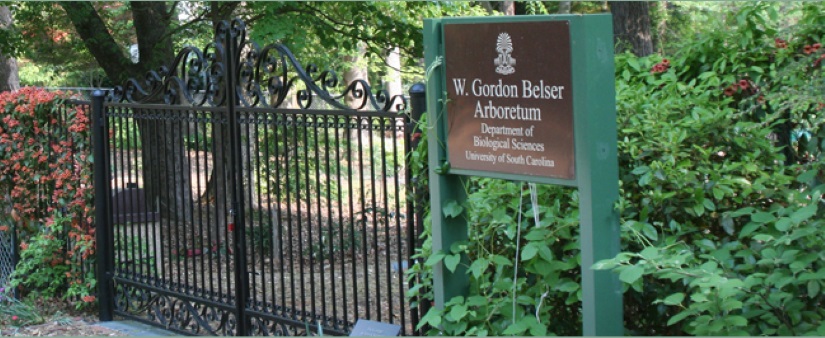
650	231
545	253
604	264
803	214
749	228
451	261
529	251
516	328
742	212
640	170
763	217
458	312
568	286
807	176
452	209
699	209
633	63
501	260
813	288
783	224
478	267
736	321
434	259
727	224
675	299
678	317
631	273
650	253
433	318
708	204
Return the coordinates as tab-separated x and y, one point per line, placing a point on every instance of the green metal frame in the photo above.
596	165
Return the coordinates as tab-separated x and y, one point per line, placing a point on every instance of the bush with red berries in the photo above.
45	185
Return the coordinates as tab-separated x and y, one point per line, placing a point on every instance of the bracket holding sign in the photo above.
528	98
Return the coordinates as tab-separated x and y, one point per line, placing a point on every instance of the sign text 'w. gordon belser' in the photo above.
509	98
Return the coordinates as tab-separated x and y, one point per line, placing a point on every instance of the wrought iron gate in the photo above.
230	213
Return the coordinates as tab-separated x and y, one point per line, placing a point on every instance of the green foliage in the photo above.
14	312
45	174
720	185
714	188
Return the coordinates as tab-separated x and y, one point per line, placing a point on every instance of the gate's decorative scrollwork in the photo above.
174	313
263	77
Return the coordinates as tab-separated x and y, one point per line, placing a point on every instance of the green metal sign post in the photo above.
532	99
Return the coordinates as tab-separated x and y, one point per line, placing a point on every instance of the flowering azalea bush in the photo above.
45	186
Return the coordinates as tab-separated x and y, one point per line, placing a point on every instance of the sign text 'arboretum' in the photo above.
510	102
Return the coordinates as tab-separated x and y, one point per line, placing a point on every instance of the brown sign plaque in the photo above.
510	98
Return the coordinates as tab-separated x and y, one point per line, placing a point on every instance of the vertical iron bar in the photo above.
314	262
269	215
241	275
328	119
374	204
352	122
289	141
364	221
193	129
246	185
340	122
399	196
105	288
298	302
206	208
278	121
388	252
415	203
261	220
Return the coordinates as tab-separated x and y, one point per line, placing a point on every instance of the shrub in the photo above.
720	168
45	174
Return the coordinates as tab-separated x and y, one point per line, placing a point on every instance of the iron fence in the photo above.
225	213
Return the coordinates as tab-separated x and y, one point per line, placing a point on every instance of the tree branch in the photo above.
91	28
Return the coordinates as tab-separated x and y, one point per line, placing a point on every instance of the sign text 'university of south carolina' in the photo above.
506	116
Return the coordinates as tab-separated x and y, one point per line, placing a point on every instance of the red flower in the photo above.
807	49
816	46
743	84
730	90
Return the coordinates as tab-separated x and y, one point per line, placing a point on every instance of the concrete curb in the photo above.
134	328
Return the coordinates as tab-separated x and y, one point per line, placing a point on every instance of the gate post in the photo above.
420	192
237	205
103	249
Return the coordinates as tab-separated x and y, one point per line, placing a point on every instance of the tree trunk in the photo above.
507	7
631	27
166	165
356	71
218	189
564	7
9	79
661	26
393	80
